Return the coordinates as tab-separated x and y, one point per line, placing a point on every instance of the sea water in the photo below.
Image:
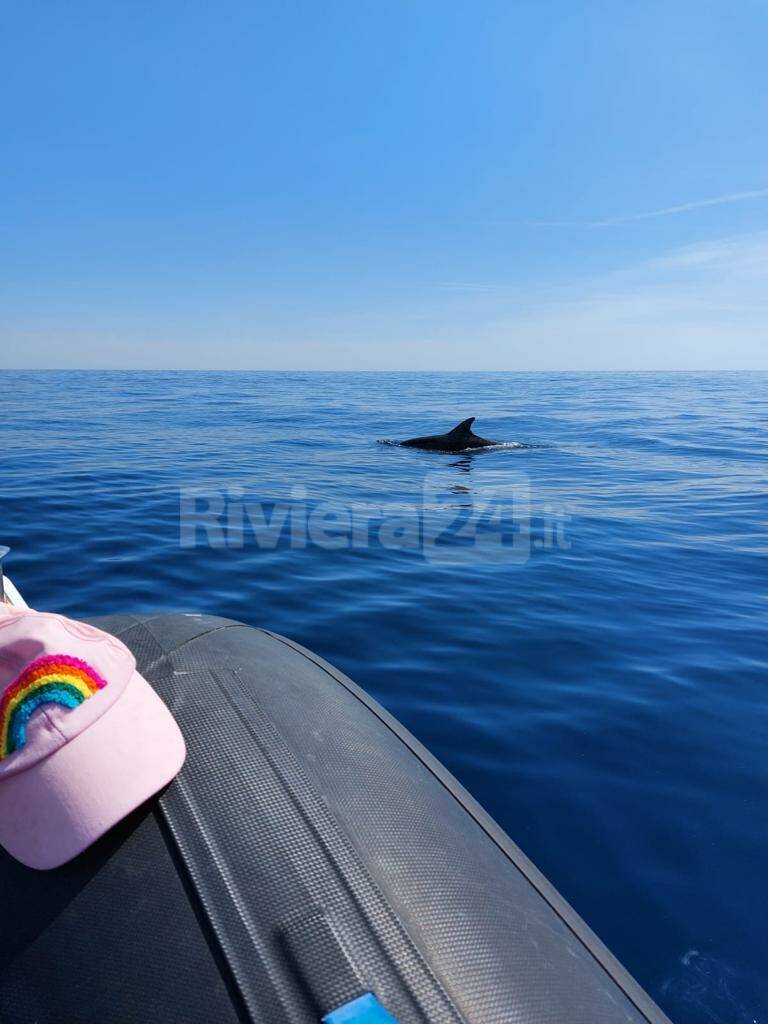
574	622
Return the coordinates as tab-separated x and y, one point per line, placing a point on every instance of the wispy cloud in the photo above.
745	255
667	211
702	306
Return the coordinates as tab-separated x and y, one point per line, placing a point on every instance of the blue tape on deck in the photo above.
364	1010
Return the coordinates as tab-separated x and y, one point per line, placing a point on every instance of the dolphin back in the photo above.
456	440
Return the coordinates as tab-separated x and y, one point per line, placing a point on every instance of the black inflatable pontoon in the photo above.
311	862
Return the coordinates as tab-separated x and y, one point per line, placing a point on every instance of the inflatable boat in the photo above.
311	863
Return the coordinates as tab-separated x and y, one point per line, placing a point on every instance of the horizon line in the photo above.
170	369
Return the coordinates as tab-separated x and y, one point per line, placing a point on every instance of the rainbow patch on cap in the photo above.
51	679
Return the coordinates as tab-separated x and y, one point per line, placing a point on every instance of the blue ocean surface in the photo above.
574	622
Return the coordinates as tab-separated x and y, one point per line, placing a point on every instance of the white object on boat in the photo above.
8	593
12	596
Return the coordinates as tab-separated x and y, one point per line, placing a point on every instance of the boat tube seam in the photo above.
202	913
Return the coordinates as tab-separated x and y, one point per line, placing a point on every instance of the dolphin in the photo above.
456	440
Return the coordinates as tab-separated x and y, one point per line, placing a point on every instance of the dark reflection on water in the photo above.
603	696
464	462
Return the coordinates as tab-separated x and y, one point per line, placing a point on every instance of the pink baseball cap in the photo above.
84	739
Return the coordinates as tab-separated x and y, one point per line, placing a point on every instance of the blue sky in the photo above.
529	184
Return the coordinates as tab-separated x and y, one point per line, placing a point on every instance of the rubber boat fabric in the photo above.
311	862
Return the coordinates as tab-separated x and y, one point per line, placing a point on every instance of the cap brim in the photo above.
56	808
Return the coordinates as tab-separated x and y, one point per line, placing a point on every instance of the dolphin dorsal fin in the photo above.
465	427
